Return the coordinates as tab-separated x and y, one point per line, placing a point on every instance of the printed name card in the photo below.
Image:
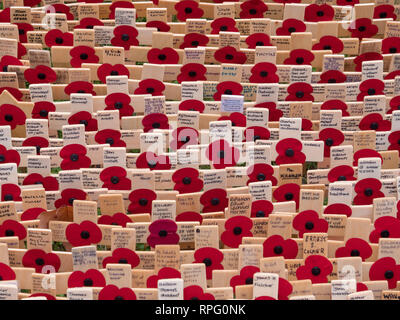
206	236
125	16
123	238
239	205
85	211
33	198
41	92
84	258
170	289
290	128
232	103
80	293
265	284
163	209
74	134
119	275
340	192
342	288
8	292
39	239
369	168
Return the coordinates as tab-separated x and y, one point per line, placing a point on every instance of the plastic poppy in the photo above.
347	2
107	69
261	208
316	13
367	56
12	228
222	155
363	28
85	118
152	161
6	273
150	86
384	11
121	102
300	57
299	91
89	278
189	216
23	29
338	208
223	24
235	229
79	87
261	172
83	234
155	121
56	37
329	43
9	156
88	23
162	56
163	273
187	180
10	192
252	9
141	200
289	151
355	247
40	74
32	213
245	277
39	259
391	45
306	125
230	55
385	227
331	137
385	269
5	15
74	157
341	173
112	292
308	221
289	26
274	113
160	25
214	200
111	137
394	140
192	105
60	8
37	142
367	190
122	256
114	178
125	36
258	40
236	118
287	192
392	75
49	183
117	219
196	293
332	76
211	257
228	88
256	133
264	72
365	153
316	268
119	4
336	105
8	61
276	245
41	109
21	50
13	91
194	40
374	121
188	9
192	72
68	196
183	137
82	54
162	231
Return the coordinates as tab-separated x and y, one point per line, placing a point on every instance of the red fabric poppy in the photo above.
214	200
110	136
189	216
107	69
235	229
163	231
299	91
21	50
196	293
149	160
192	72
83	234
188	9
74	157
117	219
112	292
256	133
8	61
23	29
367	190
276	245
285	289
338	208
227	87
341	173
289	26
230	55
85	118
123	256
56	37
335	105
79	87
10	192
6	273
287	192
222	155
187	180
261	172
40	74
211	257
308	221
39	259
12	228
384	11
49	183
160	25
32	214
332	137
114	178
150	86
385	269
183	137
252	9
141	200
316	268
5	15
9	156
258	40
119	4
261	208
238	119
245	277
289	151
365	153
68	196
264	72
88	23
394	140
385	227
355	247
374	121
391	45
316	13
162	56
82	54
300	57
90	278
367	56
194	40
125	36
363	28
13	91
329	43
392	75
306	125
332	76
223	24
41	109
347	2
163	273
361	287
37	142
192	105
60	8
121	102
274	113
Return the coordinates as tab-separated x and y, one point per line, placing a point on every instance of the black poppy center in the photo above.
362	28
229	57
88	282
114	73
207	262
299	94
389	274
83	56
151	164
195	43
278	250
329	142
123	260
342	178
71	201
119	298
289	152
185	139
74	157
393	50
150	90
118	105
39	262
21	31
2	158
320	13
315	271
263	74
214	201
371	91
385	234
192	74
5	68
383	15
186	180
253	11
163	233
188	10
309	225
261	177
8	197
327	47
368	192
355	253
228	91
84	122
162	57
237	231
85	234
292	29
223	28
260	214
374	125
110	141
299	60
81	91
249	280
289	196
143	202
59	40
332	80
194	299
43	113
9	233
114	179
221	154
8	117
89	27
125	37
156	125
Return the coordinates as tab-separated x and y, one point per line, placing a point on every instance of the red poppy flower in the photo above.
12	228
347	2
13	91
245	277
367	56
68	196
125	36
192	72
261	172
23	29
123	256
188	9
214	200
141	200
308	221
385	269
230	55
211	257
163	56
332	76
223	24
110	136
222	155
40	74
274	113
384	11
394	140
264	72
261	208
88	23
85	118
196	293
194	40
289	151
107	69
276	245
329	43
252	9
192	105
306	125
299	57
8	61
392	75
163	273
21	50
287	192
160	25
183	137
227	87
150	86
10	192
5	15
82	54
365	153
289	26
316	13
341	173
363	28
367	190
235	229
361	287
237	119
338	208
38	259
90	278
335	105
56	37
31	3
49	183
385	227
374	121
256	133
187	180
117	219
316	268
41	109
60	8
189	216
163	231
152	161
258	40
79	87
37	142
355	247
6	273
114	178
9	156
112	292
332	137
155	121
74	157
31	214
300	91
391	45
119	4
121	102
83	234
